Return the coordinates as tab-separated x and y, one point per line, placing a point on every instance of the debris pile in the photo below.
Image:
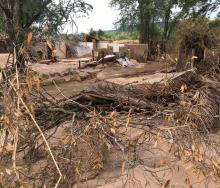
67	142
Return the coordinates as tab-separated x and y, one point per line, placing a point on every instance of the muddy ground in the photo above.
66	80
112	175
113	73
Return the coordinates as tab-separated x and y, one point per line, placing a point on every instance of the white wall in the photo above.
105	44
84	48
61	50
102	44
86	44
116	47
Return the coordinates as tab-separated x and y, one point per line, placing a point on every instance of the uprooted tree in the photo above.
19	16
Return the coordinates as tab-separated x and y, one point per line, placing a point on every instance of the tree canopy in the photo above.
151	17
21	16
41	13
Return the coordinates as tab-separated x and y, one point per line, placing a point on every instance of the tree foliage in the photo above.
150	16
99	34
2	24
20	16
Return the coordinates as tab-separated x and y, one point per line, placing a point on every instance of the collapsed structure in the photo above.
98	49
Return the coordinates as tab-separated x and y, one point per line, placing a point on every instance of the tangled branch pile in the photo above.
50	142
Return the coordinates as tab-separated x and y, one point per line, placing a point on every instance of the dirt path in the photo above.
133	71
113	73
68	89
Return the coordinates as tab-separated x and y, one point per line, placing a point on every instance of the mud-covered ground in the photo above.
116	172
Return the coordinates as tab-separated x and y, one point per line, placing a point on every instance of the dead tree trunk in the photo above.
191	52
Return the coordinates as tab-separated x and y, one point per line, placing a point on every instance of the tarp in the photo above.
125	62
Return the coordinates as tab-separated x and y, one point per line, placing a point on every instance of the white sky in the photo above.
102	17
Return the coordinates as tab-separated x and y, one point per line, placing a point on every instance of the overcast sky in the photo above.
102	17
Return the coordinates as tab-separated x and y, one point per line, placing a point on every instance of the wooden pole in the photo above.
93	55
103	60
79	64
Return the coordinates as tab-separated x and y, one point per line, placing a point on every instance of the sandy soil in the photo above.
137	70
139	176
69	89
3	60
115	176
110	72
150	79
59	67
112	175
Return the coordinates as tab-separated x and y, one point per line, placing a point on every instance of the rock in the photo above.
83	75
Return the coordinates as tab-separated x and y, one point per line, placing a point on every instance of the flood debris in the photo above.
111	131
124	62
83	130
106	59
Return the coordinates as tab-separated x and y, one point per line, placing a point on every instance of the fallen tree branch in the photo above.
41	132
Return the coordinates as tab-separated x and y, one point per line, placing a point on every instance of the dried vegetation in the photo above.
46	142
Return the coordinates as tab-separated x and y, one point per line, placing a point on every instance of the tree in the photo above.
20	15
92	32
145	15
135	14
100	34
2	25
148	16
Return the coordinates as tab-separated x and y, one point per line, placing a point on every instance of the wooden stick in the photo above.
79	64
14	153
41	132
